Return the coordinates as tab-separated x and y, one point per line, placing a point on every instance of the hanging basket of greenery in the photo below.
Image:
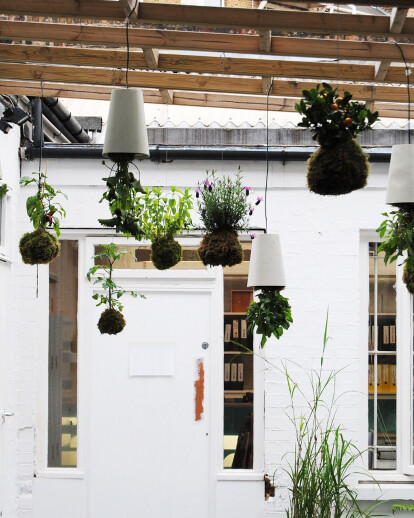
40	246
224	208
122	194
271	314
163	217
339	166
112	320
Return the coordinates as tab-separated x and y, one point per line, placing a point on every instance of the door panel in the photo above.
149	456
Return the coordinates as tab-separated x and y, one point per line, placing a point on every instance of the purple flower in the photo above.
259	199
229	187
207	185
251	211
252	236
247	189
197	191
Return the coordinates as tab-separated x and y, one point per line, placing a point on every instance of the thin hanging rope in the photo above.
407	73
267	151
127	40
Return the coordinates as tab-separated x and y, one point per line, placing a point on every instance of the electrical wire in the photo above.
267	152
407	73
127	40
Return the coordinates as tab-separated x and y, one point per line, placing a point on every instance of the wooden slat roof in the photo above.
179	54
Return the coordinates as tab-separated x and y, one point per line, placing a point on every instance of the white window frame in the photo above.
404	471
5	228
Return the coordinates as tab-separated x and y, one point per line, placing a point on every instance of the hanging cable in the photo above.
127	40
267	151
407	73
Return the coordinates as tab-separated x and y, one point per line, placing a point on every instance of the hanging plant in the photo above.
339	166
112	320
40	246
224	208
398	231
271	315
3	190
163	217
123	192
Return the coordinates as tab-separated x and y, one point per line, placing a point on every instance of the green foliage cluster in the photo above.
123	194
38	247
402	507
164	214
41	208
3	190
166	252
271	314
333	118
323	462
398	231
107	256
223	203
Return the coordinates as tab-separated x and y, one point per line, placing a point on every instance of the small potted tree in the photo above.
112	320
40	246
224	208
339	166
163	217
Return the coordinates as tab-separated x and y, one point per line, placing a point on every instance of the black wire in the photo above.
407	73
127	40
267	150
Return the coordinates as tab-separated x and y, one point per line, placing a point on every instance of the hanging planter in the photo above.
339	166
40	246
266	268
112	320
400	189
126	139
163	217
224	208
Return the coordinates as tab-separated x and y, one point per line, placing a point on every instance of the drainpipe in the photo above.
38	141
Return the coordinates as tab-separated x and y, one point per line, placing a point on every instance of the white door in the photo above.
149	405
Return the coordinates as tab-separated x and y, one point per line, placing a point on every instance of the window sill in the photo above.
240	475
61	473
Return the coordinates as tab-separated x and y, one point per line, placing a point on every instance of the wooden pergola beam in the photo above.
130	6
203	41
168	14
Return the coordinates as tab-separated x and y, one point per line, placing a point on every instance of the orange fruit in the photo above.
334	106
348	122
339	100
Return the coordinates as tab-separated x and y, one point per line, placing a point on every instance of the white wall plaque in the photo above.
151	359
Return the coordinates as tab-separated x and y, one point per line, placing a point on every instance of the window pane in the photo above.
63	354
238	368
382	362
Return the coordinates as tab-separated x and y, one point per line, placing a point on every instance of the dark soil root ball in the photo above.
165	253
338	170
111	322
408	276
39	247
221	248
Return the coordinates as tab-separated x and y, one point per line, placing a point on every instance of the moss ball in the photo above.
221	248
39	247
165	253
408	276
111	322
339	169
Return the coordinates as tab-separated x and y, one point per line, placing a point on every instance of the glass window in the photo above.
63	357
238	368
382	362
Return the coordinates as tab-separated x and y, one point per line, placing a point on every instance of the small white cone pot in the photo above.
401	175
126	133
266	263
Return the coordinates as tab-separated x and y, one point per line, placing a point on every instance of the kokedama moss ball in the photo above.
165	253
111	322
39	247
221	248
336	170
408	277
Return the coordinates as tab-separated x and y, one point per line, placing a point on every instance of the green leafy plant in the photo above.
123	194
3	190
402	507
224	208
111	320
323	458
163	217
331	117
41	247
270	315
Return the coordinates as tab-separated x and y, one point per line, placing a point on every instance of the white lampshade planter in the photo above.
400	188
126	133
266	263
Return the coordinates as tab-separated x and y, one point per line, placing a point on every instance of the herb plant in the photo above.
398	230
3	190
111	321
271	315
122	194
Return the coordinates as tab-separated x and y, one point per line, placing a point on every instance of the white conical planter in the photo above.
401	176
266	263
126	132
